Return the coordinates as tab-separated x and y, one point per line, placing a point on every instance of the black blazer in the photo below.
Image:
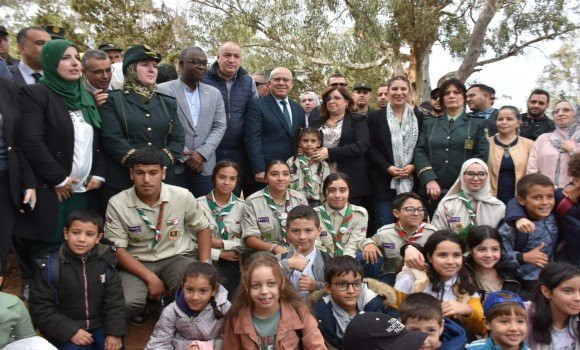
380	154
16	75
47	141
350	154
20	173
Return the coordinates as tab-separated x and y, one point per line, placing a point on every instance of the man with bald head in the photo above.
202	115
237	89
272	125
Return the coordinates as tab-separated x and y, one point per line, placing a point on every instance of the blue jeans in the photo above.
198	184
383	213
98	342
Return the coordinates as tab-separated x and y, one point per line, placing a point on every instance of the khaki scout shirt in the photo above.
233	226
258	219
357	229
181	215
318	172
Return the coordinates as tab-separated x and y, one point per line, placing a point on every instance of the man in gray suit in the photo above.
202	114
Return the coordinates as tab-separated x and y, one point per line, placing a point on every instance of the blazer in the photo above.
20	173
350	154
47	141
17	77
211	124
267	135
380	153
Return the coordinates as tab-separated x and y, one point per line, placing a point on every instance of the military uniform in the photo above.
441	150
317	172
260	220
352	232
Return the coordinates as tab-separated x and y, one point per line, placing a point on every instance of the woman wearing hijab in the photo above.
552	151
136	117
59	138
469	202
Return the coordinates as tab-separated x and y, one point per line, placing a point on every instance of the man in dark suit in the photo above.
30	40
271	126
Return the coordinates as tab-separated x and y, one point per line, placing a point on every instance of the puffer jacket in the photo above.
176	330
376	297
89	296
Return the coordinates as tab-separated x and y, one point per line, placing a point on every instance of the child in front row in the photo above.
307	175
195	318
303	263
505	320
528	253
345	296
267	313
76	298
422	312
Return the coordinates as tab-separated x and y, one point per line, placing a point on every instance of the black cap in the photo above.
376	331
55	32
139	53
362	86
109	47
3	31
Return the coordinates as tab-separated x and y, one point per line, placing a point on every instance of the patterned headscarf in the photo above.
133	84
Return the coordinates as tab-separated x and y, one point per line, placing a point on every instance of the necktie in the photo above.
36	76
451	121
286	113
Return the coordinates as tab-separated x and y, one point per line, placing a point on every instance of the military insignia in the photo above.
468	144
56	30
173	235
459	226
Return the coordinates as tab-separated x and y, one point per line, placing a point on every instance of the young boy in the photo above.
345	296
410	228
76	296
303	263
505	319
422	312
530	252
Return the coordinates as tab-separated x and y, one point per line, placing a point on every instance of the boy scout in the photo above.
151	225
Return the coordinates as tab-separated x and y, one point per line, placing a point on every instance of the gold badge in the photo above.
459	226
469	144
173	235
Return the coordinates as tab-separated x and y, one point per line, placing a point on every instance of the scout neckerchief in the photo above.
337	238
281	217
220	213
308	181
156	229
472	218
404	235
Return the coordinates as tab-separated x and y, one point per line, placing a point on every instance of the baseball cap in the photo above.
376	331
362	86
495	298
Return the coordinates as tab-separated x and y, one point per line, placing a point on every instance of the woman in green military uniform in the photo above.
445	143
136	117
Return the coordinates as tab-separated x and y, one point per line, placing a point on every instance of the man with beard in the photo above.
480	102
535	122
383	96
435	106
361	95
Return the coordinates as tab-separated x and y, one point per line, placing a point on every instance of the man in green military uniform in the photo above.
446	142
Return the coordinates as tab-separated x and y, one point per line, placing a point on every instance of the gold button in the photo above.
448	137
149	129
147	115
446	161
149	144
447	150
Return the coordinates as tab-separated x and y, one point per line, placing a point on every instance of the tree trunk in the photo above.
425	93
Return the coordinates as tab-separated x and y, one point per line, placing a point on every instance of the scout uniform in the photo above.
225	222
307	177
442	148
392	237
265	219
342	230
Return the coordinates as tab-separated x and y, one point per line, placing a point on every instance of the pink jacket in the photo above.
543	159
242	335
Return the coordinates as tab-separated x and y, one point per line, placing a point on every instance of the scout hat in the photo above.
139	53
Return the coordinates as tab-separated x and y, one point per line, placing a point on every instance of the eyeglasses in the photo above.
196	63
413	210
107	71
343	286
472	174
261	83
563	110
334	98
281	79
339	84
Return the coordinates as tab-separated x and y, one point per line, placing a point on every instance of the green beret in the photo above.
139	53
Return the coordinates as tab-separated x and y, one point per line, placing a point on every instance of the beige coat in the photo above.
519	153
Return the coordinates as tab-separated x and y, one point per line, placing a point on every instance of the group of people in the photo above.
117	190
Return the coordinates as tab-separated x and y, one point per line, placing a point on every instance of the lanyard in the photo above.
472	214
413	237
337	238
281	217
156	229
220	213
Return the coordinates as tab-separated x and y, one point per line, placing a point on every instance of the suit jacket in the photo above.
19	171
47	141
211	124
17	76
267	134
350	154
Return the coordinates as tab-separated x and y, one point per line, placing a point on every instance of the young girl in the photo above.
554	307
446	279
267	312
195	318
265	213
344	225
224	212
308	175
485	247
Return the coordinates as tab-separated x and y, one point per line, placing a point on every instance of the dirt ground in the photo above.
137	337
